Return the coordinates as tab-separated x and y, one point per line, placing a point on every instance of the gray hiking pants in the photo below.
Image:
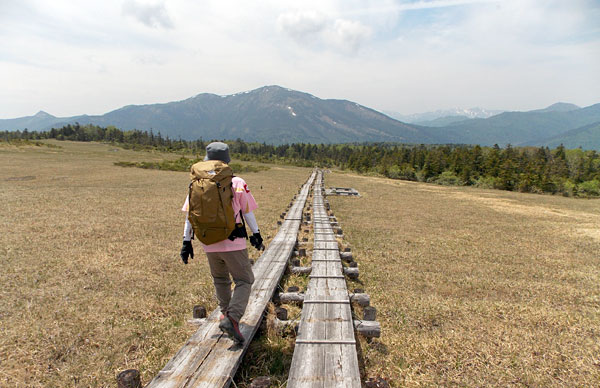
236	263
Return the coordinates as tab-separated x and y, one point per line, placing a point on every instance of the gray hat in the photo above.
217	151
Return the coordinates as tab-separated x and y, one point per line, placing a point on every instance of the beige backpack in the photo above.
210	209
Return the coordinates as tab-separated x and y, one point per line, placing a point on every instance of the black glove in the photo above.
186	251
256	241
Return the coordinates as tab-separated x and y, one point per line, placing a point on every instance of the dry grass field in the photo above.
473	287
476	287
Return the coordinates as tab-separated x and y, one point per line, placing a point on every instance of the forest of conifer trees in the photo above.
526	169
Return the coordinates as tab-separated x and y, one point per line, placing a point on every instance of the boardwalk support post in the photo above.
352	273
261	382
300	270
360	299
282	326
199	312
369	313
129	378
378	382
368	329
291	297
281	313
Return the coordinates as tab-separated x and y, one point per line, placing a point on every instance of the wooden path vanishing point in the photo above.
325	352
209	358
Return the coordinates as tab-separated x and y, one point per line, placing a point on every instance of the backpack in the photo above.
210	196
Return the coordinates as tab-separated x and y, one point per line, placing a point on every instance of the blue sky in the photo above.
91	57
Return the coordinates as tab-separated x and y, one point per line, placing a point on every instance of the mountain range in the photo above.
276	115
440	118
270	114
556	123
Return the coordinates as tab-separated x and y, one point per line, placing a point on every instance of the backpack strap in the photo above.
188	212
243	224
240	230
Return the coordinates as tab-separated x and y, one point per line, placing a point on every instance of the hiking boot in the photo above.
231	327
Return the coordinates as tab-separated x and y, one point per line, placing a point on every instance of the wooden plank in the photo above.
327	245
210	359
325	354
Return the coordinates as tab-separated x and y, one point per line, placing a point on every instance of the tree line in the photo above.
572	172
134	139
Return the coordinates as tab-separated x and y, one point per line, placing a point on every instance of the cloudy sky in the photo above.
73	57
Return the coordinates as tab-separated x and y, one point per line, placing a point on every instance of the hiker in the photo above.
225	246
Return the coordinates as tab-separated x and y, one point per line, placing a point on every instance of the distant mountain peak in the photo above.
267	87
273	89
559	107
270	91
262	89
42	114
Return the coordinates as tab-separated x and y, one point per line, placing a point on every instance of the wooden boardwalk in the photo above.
209	358
325	353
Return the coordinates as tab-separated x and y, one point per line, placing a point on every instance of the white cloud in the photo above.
349	35
521	54
440	4
302	26
152	15
314	29
150	59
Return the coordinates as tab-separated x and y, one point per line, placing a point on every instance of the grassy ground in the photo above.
473	287
92	282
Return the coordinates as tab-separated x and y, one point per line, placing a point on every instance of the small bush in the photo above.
486	182
402	172
589	188
126	164
447	178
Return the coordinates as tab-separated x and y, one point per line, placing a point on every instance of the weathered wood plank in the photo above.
210	359
325	352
